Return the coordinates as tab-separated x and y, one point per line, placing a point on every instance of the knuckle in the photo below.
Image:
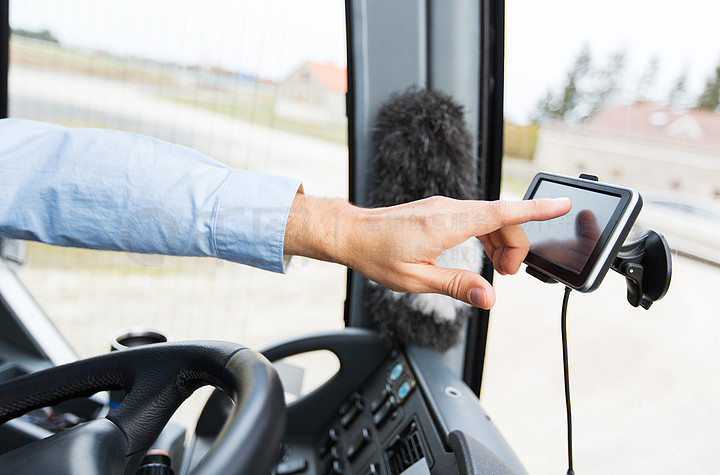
437	201
494	207
534	208
454	285
497	210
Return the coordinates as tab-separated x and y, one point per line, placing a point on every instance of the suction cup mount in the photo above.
647	266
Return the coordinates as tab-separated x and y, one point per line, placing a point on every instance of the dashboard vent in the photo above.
407	448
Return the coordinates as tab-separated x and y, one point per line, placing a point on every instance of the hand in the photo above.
398	246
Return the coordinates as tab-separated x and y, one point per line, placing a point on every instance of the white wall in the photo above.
630	161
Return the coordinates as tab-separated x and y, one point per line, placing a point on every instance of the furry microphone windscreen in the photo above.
423	149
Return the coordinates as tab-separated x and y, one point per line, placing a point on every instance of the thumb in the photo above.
459	284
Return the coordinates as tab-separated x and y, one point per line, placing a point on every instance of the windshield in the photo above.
627	91
257	85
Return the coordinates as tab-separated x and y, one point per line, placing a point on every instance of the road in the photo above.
644	384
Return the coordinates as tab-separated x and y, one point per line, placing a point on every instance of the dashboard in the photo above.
386	411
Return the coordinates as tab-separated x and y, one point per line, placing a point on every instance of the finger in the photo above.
506	213
506	248
516	247
463	285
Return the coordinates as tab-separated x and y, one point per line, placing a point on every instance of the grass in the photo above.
51	56
259	109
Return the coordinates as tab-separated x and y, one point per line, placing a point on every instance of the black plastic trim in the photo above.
352	154
359	351
490	144
4	55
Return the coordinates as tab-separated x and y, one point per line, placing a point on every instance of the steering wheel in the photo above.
157	379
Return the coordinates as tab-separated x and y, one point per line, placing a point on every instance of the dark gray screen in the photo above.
570	239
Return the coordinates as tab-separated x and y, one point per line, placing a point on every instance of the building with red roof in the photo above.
640	145
313	92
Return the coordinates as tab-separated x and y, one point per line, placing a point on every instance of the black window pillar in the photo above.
4	55
454	46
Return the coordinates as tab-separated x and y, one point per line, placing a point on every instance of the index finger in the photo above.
507	213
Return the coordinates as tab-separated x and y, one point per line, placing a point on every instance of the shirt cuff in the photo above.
250	218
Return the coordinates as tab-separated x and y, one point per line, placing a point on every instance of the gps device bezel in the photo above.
610	241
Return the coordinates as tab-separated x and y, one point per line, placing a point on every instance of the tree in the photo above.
647	80
587	89
710	97
544	108
604	85
561	107
44	35
678	93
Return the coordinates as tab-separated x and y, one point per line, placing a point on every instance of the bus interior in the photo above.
294	88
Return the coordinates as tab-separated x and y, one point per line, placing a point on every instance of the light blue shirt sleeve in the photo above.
105	189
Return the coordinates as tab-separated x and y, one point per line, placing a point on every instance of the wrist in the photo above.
320	228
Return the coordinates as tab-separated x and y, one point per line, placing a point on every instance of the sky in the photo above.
543	40
272	37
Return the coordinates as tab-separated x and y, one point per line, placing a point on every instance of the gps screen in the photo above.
569	240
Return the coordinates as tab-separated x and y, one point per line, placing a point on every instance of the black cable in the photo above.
563	323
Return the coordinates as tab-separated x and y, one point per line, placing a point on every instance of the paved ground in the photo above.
644	383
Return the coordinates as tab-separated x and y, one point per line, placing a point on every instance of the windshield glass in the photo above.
257	85
627	91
